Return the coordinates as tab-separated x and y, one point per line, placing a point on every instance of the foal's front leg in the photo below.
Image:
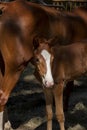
58	96
49	102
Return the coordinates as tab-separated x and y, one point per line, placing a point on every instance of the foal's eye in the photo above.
37	60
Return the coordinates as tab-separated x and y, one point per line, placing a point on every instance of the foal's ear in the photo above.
42	42
53	41
54	49
38	41
49	41
35	43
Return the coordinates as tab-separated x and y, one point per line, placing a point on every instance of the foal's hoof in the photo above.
3	98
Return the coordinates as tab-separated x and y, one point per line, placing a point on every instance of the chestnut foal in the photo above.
62	64
43	60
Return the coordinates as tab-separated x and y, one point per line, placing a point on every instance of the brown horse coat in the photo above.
21	22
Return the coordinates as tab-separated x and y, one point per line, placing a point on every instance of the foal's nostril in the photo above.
49	84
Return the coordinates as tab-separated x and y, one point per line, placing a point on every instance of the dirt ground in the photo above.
26	105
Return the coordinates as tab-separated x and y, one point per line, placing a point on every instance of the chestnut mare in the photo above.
65	63
21	22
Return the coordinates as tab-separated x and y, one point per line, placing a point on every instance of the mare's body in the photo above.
82	12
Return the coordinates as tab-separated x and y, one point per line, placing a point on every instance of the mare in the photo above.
56	66
21	22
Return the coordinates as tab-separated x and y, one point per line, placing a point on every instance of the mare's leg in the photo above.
49	103
1	107
6	122
1	117
58	96
8	83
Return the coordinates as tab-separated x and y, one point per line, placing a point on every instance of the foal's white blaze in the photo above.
48	79
1	120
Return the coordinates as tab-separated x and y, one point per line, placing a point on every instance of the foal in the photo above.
43	60
66	63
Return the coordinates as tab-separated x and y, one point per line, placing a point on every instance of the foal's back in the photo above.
69	61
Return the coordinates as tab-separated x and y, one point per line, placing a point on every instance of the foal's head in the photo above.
43	59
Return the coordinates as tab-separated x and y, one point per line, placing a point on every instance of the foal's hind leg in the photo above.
58	96
49	103
67	92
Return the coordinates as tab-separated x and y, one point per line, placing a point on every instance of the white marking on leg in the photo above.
48	79
1	120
